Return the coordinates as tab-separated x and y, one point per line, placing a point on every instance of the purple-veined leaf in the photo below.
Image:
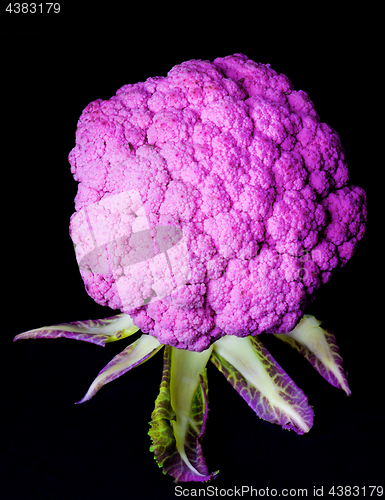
178	421
134	355
96	331
262	383
320	348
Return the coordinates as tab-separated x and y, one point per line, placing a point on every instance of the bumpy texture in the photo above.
232	154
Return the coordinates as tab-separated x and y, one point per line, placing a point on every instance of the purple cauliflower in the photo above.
211	205
236	158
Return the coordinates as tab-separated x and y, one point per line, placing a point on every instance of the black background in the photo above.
53	449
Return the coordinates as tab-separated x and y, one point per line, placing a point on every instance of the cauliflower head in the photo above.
231	154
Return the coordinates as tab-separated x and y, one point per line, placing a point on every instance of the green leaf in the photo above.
179	418
96	331
320	348
262	383
134	355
